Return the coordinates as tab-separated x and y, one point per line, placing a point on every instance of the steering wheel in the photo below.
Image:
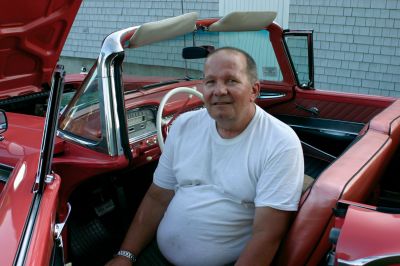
159	121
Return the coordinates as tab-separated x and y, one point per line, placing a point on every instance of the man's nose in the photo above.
220	89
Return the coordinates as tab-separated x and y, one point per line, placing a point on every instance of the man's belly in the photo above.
204	226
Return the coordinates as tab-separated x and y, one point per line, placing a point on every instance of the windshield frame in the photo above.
114	134
108	71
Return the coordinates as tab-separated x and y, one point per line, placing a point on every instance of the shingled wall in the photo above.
356	43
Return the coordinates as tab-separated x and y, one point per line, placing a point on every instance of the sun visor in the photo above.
164	29
244	21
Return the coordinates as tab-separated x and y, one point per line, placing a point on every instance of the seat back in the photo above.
388	121
353	176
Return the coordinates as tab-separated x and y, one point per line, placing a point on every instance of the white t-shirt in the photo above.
219	182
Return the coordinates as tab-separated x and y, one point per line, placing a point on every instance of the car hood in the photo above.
32	35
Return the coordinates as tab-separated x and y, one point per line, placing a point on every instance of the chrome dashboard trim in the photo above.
142	137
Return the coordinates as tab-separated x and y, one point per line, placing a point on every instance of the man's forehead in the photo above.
224	73
226	62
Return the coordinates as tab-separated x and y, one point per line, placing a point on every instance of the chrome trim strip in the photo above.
270	95
44	166
23	248
109	115
326	130
321	153
49	131
373	260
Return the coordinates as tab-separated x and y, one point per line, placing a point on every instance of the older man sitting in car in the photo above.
227	182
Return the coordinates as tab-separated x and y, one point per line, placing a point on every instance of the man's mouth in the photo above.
221	103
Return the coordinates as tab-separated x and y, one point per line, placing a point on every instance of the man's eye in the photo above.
232	81
209	82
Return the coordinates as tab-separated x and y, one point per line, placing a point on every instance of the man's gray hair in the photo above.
251	67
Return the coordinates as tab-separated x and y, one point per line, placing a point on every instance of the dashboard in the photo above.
142	132
141	123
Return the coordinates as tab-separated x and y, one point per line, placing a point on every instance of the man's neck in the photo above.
229	130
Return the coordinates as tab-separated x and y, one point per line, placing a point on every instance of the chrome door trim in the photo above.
270	95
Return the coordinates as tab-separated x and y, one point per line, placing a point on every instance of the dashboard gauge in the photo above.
141	123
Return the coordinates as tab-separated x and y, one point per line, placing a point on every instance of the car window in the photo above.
299	54
82	118
258	45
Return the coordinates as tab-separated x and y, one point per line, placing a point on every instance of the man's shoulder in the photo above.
191	119
270	121
193	116
278	131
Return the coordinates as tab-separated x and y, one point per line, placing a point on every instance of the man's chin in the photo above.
220	115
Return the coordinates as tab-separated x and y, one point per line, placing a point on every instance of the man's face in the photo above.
228	92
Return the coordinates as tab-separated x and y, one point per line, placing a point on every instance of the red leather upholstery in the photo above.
352	176
388	121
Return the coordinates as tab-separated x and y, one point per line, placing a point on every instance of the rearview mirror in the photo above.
196	52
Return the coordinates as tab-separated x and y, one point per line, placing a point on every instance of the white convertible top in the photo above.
244	21
163	30
171	27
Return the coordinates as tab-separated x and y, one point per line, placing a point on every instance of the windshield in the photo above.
158	64
164	59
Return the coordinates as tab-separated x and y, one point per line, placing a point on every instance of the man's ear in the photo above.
255	91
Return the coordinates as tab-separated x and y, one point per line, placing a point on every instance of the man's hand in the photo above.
269	227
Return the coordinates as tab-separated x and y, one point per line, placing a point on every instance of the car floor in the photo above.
102	210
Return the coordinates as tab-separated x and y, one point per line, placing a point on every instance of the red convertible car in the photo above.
71	178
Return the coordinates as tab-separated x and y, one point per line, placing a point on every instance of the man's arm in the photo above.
145	222
269	227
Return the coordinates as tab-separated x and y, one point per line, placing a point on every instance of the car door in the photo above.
317	103
274	70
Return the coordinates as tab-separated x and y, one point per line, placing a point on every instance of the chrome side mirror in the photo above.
3	122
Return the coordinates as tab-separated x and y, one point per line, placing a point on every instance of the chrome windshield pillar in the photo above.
109	68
